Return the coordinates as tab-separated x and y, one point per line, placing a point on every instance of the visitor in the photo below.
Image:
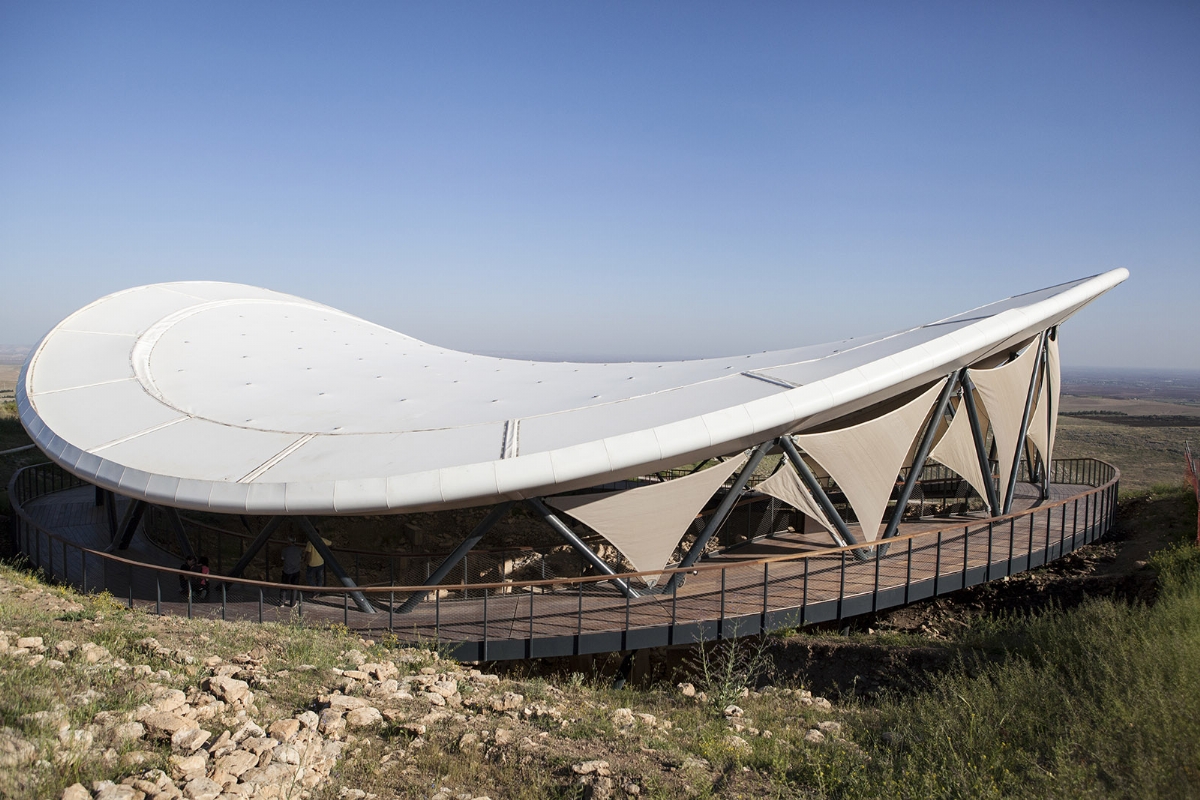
204	573
293	563
185	582
315	564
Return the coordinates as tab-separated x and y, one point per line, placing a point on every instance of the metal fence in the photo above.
509	619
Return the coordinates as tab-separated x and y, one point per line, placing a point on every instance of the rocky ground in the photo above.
94	708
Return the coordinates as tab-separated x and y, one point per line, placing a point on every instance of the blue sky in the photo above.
638	180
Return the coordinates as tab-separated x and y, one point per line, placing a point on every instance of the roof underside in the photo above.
224	397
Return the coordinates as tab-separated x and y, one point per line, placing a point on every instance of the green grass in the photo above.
1100	701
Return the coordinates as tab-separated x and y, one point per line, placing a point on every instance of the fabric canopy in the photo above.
956	450
646	523
865	459
1054	375
1003	391
1044	420
785	485
1039	424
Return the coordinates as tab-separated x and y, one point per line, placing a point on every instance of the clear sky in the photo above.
607	179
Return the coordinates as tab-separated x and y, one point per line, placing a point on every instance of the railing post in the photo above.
908	572
1075	524
842	587
804	596
720	623
966	559
766	578
1012	535
875	592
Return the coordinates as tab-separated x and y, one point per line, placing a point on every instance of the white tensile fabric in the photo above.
646	523
1054	375
956	450
1039	424
1003	391
786	486
865	459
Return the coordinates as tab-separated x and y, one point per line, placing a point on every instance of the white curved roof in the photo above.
218	396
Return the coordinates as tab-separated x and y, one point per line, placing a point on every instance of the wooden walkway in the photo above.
761	585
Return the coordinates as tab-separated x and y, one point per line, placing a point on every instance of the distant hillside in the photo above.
13	354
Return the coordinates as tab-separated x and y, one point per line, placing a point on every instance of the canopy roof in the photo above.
224	397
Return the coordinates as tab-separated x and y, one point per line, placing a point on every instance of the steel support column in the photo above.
1029	396
359	598
458	555
177	525
570	538
257	544
130	525
841	534
110	511
918	464
985	466
722	513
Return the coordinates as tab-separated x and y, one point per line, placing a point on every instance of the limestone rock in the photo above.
286	754
165	724
259	745
623	717
116	791
341	702
202	789
14	750
231	690
591	768
188	767
510	701
331	722
284	730
189	740
814	736
76	791
364	717
236	762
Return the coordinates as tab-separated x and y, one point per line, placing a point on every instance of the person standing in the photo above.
315	564
204	571
293	562
186	586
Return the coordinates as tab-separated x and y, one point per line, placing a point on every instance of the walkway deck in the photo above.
762	585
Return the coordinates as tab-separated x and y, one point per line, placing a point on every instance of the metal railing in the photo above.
569	616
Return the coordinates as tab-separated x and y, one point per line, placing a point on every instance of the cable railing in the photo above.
714	599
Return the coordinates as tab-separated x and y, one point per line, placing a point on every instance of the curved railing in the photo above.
570	616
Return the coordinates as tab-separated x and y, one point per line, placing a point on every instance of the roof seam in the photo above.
258	471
